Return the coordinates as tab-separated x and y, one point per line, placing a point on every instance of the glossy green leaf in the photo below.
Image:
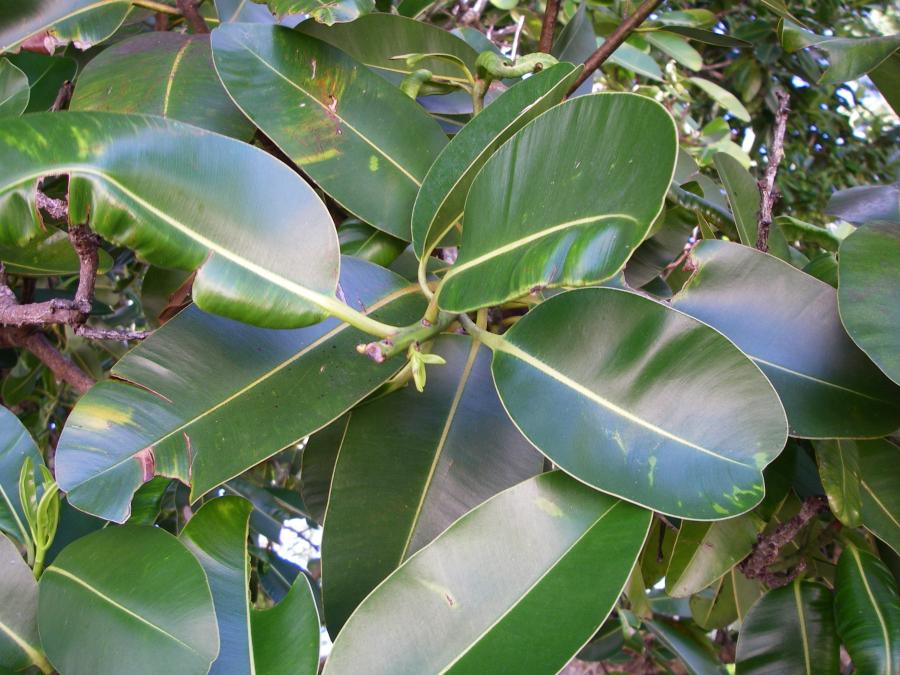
790	630
880	489
375	39
691	646
85	22
867	203
868	291
848	58
439	204
242	11
161	73
14	91
743	196
787	322
677	47
50	256
140	598
839	471
408	465
632	58
488	584
15	445
576	42
217	536
147	501
330	12
262	392
20	645
547	223
45	76
704	552
642	419
723	97
137	181
867	611
362	241
362	140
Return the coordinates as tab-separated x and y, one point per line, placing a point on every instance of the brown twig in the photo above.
614	40
110	333
548	26
473	15
767	192
37	343
194	18
767	547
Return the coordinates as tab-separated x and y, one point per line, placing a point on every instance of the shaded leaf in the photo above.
787	322
317	467
548	224
743	196
839	471
867	611
161	73
408	465
880	489
642	417
704	552
52	255
866	203
868	291
152	606
262	392
14	91
45	76
363	141
691	646
790	630
16	445
362	241
535	547
217	536
20	645
137	181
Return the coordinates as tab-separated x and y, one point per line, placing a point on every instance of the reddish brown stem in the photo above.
614	40
192	15
548	26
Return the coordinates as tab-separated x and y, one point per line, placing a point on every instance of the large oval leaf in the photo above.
181	197
408	465
262	391
487	586
839	470
558	205
20	645
868	292
639	396
790	630
16	445
787	322
867	611
217	536
45	76
136	596
439	204
880	489
161	73
14	91
374	40
363	141
59	21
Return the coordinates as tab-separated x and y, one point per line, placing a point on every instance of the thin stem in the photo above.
347	314
491	340
38	568
547	27
767	191
614	40
399	342
194	18
156	6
